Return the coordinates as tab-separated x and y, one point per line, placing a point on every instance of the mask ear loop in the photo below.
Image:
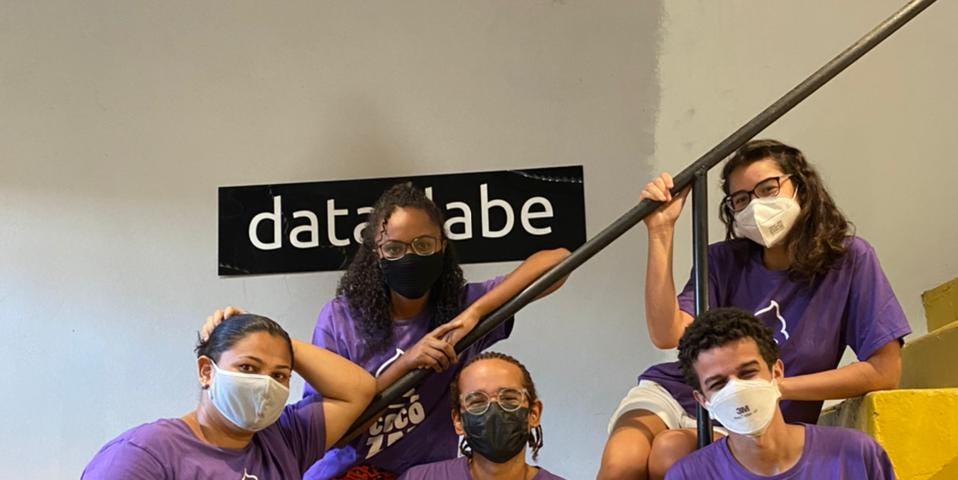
464	448
535	441
795	187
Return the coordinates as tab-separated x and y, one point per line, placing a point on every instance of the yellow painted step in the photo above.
931	361
941	305
918	429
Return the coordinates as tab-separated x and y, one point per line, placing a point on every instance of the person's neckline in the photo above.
742	470
466	464
183	425
413	320
756	254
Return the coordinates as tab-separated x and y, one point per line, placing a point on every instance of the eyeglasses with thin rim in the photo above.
423	246
509	399
736	202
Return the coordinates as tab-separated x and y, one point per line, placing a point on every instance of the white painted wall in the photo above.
118	120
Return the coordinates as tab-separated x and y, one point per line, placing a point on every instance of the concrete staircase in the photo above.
917	425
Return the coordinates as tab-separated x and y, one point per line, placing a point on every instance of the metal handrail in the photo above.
700	275
635	215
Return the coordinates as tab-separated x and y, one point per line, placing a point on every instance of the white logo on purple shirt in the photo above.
247	476
399	419
773	307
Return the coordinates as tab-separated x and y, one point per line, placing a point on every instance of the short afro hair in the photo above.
718	327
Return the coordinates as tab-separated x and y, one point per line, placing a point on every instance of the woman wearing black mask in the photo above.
403	305
497	411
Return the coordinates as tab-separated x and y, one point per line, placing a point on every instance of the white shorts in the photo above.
651	396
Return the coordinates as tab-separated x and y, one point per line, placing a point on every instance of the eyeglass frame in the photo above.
727	201
462	398
440	244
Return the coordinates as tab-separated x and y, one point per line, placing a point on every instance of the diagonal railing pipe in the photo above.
635	215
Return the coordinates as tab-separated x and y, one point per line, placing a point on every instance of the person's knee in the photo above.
626	454
623	464
667	448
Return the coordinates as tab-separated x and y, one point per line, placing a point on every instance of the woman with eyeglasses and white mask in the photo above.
497	412
403	305
790	257
242	427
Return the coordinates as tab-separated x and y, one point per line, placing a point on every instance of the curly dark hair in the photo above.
364	286
535	436
817	241
718	327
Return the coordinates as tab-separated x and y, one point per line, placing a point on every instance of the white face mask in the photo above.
251	402
745	407
766	221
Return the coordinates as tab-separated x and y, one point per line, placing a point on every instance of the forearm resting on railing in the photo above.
665	321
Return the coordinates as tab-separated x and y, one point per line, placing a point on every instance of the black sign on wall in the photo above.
315	226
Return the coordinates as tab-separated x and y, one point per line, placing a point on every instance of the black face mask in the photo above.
497	435
412	275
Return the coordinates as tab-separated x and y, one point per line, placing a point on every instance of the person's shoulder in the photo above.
160	432
841	437
140	451
856	246
161	438
446	469
487	284
303	411
858	254
851	444
473	290
335	313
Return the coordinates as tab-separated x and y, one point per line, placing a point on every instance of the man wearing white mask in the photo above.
731	360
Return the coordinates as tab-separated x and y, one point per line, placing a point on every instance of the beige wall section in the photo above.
882	134
118	120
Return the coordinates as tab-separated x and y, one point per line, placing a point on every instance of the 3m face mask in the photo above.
767	220
745	407
251	402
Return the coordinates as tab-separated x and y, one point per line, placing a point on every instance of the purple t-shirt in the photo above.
416	429
830	452
168	449
851	305
457	469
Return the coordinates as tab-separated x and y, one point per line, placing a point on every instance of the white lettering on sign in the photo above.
527	215
305	224
486	205
331	213
358	231
311	229
274	217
